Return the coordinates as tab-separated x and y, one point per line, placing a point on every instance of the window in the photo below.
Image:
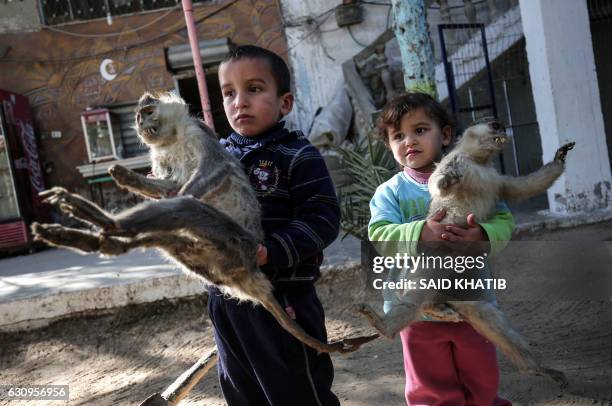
65	11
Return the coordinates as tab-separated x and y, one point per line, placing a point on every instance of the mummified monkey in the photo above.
464	182
213	226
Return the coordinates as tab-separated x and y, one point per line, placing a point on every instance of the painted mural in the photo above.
63	74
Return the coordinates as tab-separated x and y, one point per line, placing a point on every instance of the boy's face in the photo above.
418	142
250	97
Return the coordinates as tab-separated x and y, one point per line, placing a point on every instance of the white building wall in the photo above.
566	95
313	43
16	16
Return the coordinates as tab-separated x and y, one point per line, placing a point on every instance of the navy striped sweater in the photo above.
300	210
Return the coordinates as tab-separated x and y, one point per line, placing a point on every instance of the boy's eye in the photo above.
255	89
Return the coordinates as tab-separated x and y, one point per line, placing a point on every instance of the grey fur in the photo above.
464	182
212	228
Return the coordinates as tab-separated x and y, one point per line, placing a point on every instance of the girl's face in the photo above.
418	142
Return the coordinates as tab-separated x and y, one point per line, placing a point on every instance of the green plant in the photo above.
366	166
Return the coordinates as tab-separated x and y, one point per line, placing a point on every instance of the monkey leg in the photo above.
59	236
139	184
78	207
88	241
489	321
393	322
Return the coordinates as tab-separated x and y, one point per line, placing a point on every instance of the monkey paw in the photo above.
49	233
562	152
121	175
60	197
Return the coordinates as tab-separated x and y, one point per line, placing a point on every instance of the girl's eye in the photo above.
398	136
255	89
421	130
228	93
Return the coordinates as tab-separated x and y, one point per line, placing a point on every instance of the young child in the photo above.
259	362
446	363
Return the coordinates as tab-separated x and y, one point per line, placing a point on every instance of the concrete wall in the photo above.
567	100
18	16
318	49
601	31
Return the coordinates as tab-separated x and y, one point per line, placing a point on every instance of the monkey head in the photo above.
160	119
483	139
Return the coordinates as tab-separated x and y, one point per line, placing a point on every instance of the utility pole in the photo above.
410	26
197	62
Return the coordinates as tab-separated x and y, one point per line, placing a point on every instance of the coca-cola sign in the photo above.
26	133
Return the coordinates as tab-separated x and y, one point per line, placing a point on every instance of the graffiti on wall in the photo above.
60	73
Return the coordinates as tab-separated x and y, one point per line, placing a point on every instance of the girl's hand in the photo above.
473	232
432	229
262	255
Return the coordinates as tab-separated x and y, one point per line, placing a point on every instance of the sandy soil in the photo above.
121	358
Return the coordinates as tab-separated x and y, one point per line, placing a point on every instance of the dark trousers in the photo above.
260	363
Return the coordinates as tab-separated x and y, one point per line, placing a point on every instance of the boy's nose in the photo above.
241	100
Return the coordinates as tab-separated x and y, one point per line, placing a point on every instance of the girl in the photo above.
446	363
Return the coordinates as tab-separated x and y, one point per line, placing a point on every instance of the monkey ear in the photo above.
147	99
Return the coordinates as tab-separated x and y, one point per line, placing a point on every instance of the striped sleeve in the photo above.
316	220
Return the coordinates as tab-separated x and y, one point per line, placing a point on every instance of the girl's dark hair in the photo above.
391	115
278	67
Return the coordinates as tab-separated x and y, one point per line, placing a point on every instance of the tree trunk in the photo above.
410	25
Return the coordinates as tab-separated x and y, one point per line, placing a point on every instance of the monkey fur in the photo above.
464	182
211	228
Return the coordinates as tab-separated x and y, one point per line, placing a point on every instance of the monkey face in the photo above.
157	126
484	138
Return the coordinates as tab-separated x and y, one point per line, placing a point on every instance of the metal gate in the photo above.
468	73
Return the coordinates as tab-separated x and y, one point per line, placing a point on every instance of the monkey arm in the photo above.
450	174
524	187
202	183
139	184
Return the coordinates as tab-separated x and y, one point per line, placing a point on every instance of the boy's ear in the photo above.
286	103
447	135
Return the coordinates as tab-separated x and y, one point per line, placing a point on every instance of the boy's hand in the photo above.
432	229
473	232
262	255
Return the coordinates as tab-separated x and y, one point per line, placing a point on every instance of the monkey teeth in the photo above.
499	139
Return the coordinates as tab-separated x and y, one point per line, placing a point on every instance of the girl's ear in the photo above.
447	135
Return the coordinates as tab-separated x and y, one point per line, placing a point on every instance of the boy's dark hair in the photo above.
278	67
391	115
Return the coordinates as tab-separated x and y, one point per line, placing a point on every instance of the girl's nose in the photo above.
410	139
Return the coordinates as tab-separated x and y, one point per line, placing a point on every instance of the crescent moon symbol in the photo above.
107	69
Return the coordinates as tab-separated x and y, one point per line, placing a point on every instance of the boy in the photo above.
259	362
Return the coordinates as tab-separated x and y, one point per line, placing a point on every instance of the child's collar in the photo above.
275	132
419	177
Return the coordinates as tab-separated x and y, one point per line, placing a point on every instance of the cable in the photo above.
121	49
112	34
353	37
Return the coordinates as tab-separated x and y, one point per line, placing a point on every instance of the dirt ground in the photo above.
122	357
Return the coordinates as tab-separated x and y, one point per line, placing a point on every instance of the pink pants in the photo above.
449	364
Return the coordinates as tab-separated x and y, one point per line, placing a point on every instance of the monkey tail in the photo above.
344	346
